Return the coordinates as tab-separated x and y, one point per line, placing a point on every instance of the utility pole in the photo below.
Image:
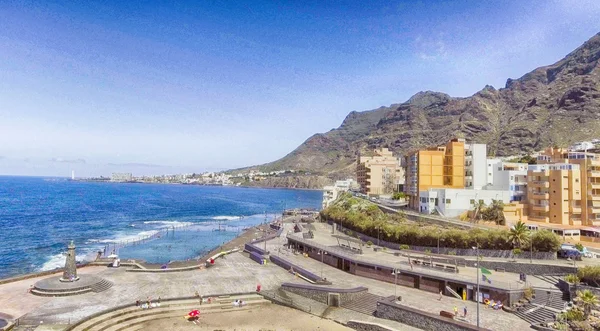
477	297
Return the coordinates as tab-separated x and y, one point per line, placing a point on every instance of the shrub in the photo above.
528	293
428	251
404	247
452	253
573	315
589	275
398	196
369	243
572	279
579	247
517	251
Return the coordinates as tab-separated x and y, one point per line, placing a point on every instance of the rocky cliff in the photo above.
552	105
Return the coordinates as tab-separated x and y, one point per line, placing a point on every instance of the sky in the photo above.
154	87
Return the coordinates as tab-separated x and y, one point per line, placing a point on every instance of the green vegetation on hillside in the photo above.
364	217
524	159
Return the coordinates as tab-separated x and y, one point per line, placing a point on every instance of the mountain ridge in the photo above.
528	114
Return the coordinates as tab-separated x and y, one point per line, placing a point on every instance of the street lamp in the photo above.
477	295
322	254
395	272
531	249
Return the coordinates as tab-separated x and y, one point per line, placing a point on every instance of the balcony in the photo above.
540	195
576	209
542	208
594	210
575	220
538	183
538	218
594	185
593	197
593	173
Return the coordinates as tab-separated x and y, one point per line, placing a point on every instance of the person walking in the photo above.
455	311
440	298
465	312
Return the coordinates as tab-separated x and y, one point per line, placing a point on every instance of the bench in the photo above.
446	314
500	269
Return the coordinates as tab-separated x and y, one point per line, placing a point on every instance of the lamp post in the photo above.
477	295
321	253
531	249
439	235
395	272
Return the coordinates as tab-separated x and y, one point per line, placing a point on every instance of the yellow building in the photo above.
564	188
378	174
435	167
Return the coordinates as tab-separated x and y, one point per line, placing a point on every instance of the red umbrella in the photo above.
194	313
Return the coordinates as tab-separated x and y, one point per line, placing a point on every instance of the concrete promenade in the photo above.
236	273
422	300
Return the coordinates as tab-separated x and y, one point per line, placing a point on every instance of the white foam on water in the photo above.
126	237
226	218
58	261
169	223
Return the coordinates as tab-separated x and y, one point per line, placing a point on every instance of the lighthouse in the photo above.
72	174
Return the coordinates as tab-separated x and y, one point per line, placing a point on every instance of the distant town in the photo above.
205	178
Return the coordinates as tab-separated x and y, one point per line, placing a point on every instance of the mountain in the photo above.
552	105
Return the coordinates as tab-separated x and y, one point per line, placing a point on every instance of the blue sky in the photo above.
165	87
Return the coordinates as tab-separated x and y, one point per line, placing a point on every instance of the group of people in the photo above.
464	311
148	303
239	303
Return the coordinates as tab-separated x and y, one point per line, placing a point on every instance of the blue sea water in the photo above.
39	216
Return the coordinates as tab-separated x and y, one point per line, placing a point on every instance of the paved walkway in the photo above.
235	273
492	319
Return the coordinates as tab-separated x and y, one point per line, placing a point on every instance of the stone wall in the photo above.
256	249
285	264
366	326
525	267
420	319
572	289
320	294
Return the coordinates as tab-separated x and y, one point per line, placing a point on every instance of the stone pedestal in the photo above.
70	272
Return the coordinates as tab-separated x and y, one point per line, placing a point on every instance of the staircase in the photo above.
101	286
453	292
550	279
134	318
535	314
366	303
546	305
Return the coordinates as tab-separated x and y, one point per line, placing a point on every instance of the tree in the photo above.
398	196
588	301
495	212
518	234
478	206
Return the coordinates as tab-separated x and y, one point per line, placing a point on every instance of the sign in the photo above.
469	287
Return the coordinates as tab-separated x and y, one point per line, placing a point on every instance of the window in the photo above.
448	201
576	180
512	177
481	201
499	168
472	201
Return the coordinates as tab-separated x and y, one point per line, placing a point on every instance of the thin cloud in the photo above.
61	160
144	165
431	49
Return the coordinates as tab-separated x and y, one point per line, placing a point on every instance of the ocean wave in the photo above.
226	218
169	223
58	261
125	237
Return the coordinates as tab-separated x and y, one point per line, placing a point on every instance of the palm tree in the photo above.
588	301
518	234
477	207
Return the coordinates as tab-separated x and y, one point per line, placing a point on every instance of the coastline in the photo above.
192	184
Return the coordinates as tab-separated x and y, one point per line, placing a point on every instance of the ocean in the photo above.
40	216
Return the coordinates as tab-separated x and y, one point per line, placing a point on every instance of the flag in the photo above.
485	271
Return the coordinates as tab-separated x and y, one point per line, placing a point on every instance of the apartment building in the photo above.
435	167
564	188
377	174
331	193
507	176
121	177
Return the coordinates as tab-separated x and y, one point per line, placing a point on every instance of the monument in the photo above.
70	272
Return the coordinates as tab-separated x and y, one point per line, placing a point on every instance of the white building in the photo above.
454	202
121	177
475	162
331	193
507	176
